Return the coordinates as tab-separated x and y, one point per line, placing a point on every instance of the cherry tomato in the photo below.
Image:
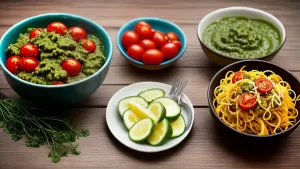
178	43
135	52
159	39
28	64
170	50
147	44
57	83
77	33
153	57
247	101
129	38
72	66
89	45
237	76
172	36
29	50
264	85
12	64
144	32
141	23
35	32
57	27
167	39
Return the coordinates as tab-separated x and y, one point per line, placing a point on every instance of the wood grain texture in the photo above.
205	147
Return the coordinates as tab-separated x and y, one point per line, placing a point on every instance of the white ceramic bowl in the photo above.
216	15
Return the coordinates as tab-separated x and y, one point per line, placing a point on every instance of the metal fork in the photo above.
176	93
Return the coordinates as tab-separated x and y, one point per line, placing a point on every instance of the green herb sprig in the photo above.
20	119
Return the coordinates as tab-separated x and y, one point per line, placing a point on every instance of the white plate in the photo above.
120	132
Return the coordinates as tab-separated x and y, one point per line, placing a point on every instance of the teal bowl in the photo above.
161	25
56	94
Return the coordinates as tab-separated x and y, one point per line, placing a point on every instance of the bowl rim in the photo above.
107	62
242	133
184	44
283	35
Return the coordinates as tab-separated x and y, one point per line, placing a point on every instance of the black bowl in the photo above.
250	65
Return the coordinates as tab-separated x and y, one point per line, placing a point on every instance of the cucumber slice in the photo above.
158	110
123	103
141	130
161	133
130	118
178	126
173	109
141	111
151	94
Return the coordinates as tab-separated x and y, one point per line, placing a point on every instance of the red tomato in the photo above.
178	43
172	36
237	77
170	50
77	33
29	50
89	45
247	101
159	39
147	44
35	32
144	32
57	83
153	57
135	52
264	85
57	27
12	64
72	66
28	64
141	23
129	38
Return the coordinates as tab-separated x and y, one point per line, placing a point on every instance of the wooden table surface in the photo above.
204	147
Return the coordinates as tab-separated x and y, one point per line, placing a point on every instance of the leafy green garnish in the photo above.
20	120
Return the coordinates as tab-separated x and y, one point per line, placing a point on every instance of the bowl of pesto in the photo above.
231	34
55	58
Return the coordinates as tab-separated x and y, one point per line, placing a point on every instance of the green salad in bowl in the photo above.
55	55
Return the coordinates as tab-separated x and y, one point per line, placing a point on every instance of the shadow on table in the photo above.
250	150
146	157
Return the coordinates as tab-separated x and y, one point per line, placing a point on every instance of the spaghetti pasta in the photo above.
256	102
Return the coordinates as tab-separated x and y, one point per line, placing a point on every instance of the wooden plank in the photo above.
204	147
107	13
119	77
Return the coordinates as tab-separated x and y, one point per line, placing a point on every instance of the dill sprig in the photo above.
22	119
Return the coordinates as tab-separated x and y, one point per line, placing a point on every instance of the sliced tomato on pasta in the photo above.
237	76
263	85
247	101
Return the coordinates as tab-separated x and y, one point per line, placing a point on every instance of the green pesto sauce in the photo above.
53	50
240	37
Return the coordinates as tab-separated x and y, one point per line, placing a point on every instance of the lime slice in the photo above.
161	133
152	94
141	111
130	118
158	110
141	130
123	104
178	126
173	109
